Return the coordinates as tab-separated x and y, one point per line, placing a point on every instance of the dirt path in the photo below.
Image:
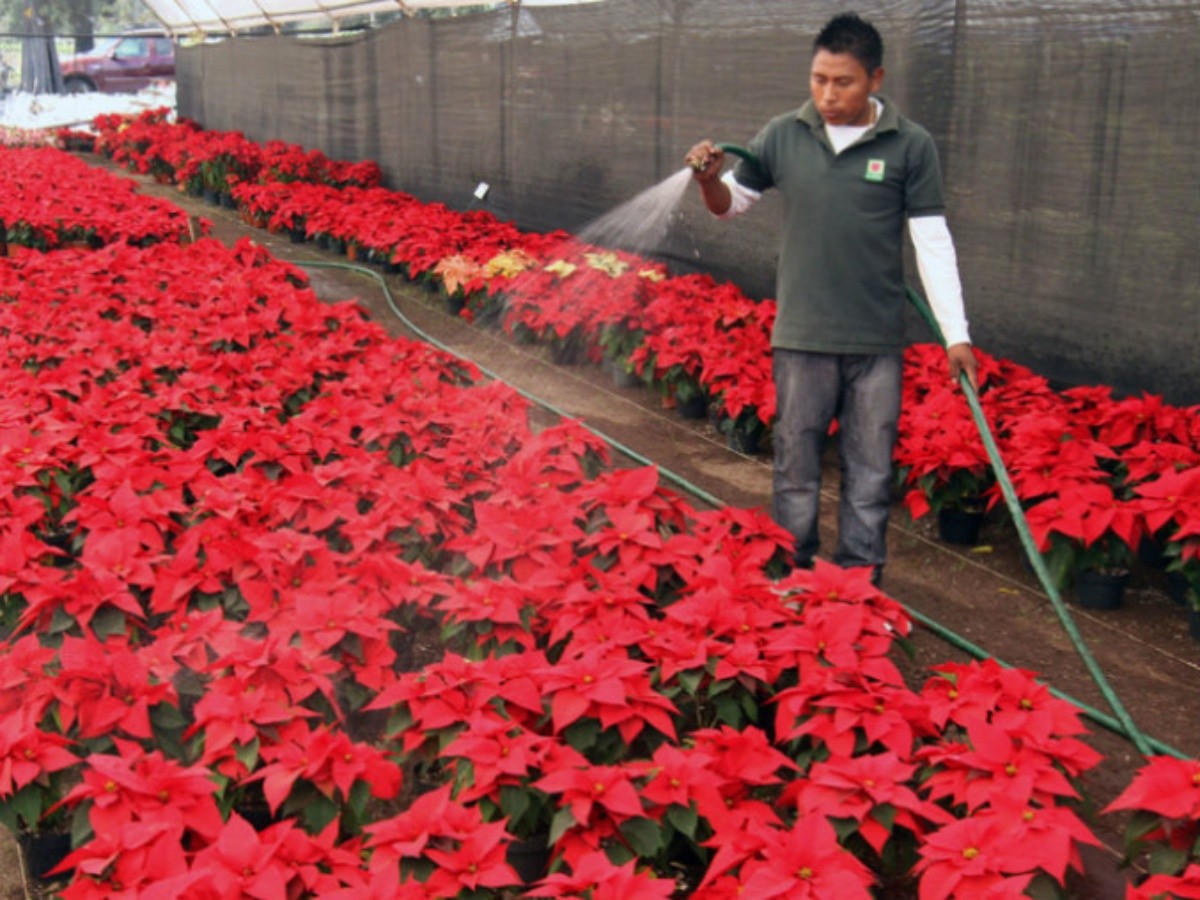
984	594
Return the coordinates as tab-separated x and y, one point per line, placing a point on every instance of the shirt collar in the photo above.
889	117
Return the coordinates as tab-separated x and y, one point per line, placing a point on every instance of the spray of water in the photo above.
640	225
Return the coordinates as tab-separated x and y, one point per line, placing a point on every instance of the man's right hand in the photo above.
705	160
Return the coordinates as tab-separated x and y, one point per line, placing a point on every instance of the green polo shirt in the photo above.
840	283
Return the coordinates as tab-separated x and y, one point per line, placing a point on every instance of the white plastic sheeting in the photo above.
183	17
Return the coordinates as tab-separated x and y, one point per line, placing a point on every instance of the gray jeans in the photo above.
863	393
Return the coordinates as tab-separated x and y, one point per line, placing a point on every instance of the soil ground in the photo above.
985	594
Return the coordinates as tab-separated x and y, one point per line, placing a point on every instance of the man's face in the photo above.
842	87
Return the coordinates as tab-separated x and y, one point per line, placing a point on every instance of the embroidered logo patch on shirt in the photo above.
874	171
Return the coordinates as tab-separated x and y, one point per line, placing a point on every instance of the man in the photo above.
852	172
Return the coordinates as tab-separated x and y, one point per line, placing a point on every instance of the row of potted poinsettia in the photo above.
1103	481
213	162
1091	470
94	207
495	270
233	513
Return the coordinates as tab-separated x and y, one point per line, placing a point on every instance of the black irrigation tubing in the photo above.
1122	724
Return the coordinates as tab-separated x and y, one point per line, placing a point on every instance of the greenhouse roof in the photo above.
182	17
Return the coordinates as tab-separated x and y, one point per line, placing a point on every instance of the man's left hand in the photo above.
962	359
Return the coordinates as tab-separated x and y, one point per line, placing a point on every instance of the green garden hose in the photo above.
1031	551
1122	724
743	153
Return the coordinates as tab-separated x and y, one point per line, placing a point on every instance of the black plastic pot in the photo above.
1194	623
1100	590
746	440
227	201
297	235
1177	588
960	526
42	851
530	858
1150	554
621	377
694	407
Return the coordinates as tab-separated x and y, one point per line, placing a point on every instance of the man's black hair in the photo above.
848	33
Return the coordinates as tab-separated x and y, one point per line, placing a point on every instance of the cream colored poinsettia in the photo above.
508	264
561	268
608	263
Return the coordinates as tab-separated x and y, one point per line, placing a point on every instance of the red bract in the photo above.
136	786
499	753
243	862
327	760
608	686
593	793
134	858
805	862
28	754
838	709
103	687
974	857
1172	499
477	862
1162	887
1166	786
593	875
232	715
995	765
872	791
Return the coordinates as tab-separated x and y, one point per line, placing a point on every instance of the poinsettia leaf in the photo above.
582	734
1141	823
691	680
562	822
644	836
683	819
60	621
107	622
167	717
23	808
1166	860
356	803
514	802
319	811
885	815
247	754
728	710
1043	887
843	827
464	776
